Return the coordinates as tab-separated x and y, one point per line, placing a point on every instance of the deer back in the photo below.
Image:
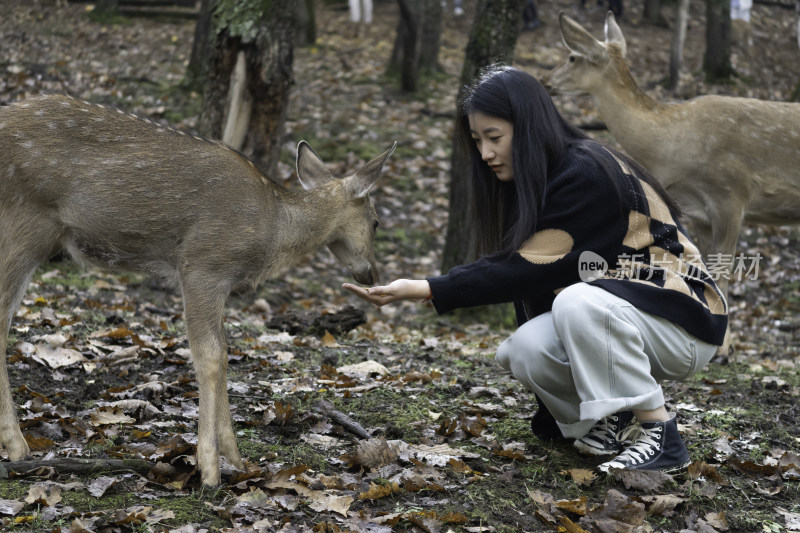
748	147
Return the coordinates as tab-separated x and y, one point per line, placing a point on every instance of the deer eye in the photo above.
375	226
572	59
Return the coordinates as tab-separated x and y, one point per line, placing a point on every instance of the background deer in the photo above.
121	192
723	159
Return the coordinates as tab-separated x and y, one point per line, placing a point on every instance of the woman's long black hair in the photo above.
508	211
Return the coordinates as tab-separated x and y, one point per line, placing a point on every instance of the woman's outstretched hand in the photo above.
401	289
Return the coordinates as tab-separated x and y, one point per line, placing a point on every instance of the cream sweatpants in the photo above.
595	354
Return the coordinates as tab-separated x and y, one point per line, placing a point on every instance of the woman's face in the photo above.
493	138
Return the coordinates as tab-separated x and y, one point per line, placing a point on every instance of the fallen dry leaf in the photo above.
644	480
619	507
569	526
717	520
573	506
376	491
42	494
57	357
789	466
99	486
329	341
661	504
581	476
110	416
701	469
440	454
364	369
11	507
322	501
373	453
792	520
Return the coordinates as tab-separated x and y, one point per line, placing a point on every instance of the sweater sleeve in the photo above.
582	212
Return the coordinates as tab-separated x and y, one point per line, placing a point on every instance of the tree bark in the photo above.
492	40
416	46
195	72
652	13
717	59
678	40
305	22
248	78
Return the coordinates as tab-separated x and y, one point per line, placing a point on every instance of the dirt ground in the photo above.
404	423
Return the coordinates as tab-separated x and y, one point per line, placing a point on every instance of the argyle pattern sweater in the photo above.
649	259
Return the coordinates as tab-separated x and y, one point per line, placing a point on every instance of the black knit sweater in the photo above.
651	261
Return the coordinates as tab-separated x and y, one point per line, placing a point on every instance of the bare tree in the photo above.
652	12
492	40
416	47
717	59
678	39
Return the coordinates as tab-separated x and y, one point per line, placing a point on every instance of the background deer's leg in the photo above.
25	241
204	300
727	223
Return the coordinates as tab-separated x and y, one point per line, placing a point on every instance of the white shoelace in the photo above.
644	447
601	431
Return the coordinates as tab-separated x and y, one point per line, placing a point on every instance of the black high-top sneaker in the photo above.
608	435
658	447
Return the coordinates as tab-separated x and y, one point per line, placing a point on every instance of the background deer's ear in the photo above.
311	171
614	34
360	183
579	40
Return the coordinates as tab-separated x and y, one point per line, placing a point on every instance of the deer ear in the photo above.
359	184
614	34
579	40
311	171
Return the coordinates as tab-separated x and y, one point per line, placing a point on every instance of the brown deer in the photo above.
122	192
723	159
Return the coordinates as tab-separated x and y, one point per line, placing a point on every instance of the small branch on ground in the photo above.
31	468
327	409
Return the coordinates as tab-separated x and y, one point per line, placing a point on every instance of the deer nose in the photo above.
366	277
552	91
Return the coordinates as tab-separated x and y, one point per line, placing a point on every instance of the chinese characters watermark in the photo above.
592	266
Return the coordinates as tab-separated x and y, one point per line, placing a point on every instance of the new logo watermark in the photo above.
592	266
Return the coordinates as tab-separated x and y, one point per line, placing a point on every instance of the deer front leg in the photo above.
25	240
10	434
204	309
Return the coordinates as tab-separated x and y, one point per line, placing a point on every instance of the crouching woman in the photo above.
610	293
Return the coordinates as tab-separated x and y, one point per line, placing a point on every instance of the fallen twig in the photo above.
73	466
327	409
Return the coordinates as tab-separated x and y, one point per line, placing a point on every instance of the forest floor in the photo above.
99	363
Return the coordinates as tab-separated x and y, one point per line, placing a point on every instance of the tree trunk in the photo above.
678	39
492	40
416	46
305	23
652	13
797	8
195	71
717	59
248	76
106	8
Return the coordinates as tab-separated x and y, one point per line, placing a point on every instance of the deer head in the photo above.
583	70
353	237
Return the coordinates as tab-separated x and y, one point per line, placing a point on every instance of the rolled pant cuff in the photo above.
596	410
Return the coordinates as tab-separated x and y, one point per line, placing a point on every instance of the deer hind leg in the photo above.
25	241
715	230
204	303
726	226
